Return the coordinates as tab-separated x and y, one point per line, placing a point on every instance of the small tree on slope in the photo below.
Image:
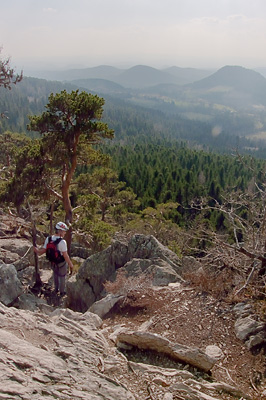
69	127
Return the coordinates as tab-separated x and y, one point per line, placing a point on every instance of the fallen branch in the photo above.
253	386
227	372
248	279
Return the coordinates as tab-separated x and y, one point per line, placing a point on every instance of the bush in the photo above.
134	289
125	285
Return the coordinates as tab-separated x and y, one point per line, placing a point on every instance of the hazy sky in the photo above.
123	33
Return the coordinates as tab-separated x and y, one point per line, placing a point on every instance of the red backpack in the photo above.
52	252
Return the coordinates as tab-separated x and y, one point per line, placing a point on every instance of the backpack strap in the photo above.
57	241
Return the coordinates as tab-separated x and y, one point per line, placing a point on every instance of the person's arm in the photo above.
67	259
39	252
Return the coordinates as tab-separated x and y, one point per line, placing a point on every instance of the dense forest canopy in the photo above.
161	172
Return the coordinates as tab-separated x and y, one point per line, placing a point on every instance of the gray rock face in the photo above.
190	264
139	254
55	357
17	252
79	251
10	286
103	306
161	271
248	328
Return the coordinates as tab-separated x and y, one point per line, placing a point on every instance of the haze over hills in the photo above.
136	77
188	75
102	86
231	102
142	76
101	72
231	86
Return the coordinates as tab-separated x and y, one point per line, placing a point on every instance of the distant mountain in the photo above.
233	86
188	75
142	76
234	76
101	86
261	70
139	76
100	72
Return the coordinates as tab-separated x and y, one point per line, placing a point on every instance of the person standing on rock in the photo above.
61	264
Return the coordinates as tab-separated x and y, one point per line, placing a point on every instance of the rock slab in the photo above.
138	254
152	341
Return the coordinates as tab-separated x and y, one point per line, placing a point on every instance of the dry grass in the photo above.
220	285
125	285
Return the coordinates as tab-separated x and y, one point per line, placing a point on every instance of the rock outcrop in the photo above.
56	356
59	353
137	255
16	251
67	355
10	285
248	327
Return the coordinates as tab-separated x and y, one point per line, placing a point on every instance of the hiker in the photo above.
62	262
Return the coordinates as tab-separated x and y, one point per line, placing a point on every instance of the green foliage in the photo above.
29	174
8	77
108	194
69	115
160	173
98	234
70	126
10	144
45	167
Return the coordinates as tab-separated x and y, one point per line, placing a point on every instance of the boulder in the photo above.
79	251
190	264
27	301
103	306
247	326
8	257
179	352
257	340
214	352
139	253
243	310
16	251
10	285
162	272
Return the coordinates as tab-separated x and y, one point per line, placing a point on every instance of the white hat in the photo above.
62	226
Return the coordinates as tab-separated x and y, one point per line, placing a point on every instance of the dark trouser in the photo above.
60	272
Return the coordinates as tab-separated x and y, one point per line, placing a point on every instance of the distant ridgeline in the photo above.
162	112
